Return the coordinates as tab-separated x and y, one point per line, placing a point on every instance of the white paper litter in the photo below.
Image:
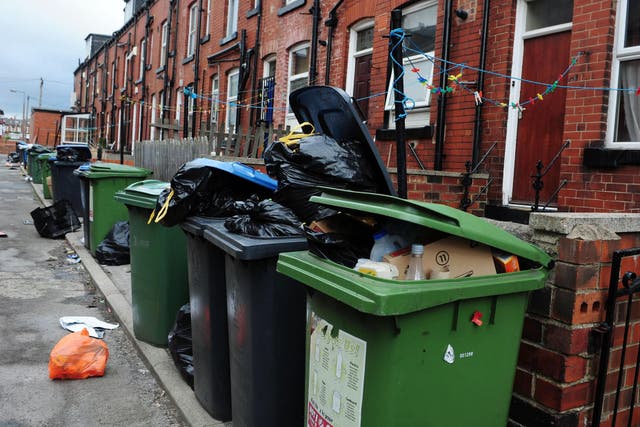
94	326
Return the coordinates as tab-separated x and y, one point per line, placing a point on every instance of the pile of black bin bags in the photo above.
301	169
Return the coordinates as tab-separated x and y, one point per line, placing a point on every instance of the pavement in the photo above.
114	283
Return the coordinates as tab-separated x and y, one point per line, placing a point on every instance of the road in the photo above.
38	285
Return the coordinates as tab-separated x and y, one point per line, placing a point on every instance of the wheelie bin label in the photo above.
336	376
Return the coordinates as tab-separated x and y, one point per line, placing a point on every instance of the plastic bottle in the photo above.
384	243
415	271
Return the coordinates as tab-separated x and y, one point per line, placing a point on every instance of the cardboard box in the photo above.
462	257
506	263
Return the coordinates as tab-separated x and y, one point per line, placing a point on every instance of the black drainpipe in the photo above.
477	128
313	57
144	71
166	93
442	98
196	71
242	74
254	78
332	23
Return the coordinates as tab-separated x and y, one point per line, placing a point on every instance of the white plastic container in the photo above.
383	270
384	243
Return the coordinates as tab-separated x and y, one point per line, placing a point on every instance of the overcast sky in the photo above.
44	39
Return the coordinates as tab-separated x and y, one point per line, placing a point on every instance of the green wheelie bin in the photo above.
45	172
35	164
440	352
99	183
159	274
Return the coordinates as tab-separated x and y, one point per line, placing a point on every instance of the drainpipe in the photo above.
477	128
332	23
442	98
242	75
196	71
313	57
143	77
256	48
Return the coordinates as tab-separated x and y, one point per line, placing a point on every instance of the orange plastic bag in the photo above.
78	356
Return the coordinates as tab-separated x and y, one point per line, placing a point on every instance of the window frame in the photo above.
207	28
231	100
232	17
214	115
192	38
361	25
620	55
164	43
290	119
419	115
143	53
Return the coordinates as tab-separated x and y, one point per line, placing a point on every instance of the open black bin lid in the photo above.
249	248
332	112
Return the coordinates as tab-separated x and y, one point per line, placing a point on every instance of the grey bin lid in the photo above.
249	248
195	225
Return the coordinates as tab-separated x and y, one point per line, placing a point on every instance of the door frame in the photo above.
362	24
520	35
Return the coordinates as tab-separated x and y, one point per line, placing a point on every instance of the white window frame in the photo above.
207	28
232	17
113	77
232	99
193	28
152	117
143	53
190	105
161	115
267	69
290	119
365	24
620	54
164	43
75	129
420	114
214	118
126	70
179	95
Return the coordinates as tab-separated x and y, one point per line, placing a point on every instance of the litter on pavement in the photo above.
94	326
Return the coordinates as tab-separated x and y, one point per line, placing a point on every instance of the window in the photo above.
419	22
623	130
113	77
193	27
178	104
75	128
298	75
207	28
267	89
126	70
164	44
232	99
152	119
547	13
215	102
190	107
143	53
232	17
161	113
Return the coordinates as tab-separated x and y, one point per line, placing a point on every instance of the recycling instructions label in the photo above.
336	376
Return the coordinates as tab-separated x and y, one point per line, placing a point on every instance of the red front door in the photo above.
361	83
542	124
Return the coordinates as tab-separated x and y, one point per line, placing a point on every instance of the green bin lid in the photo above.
45	156
143	194
436	216
99	170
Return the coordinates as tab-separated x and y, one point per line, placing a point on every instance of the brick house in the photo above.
558	98
46	126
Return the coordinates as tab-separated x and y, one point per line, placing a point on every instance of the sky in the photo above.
45	39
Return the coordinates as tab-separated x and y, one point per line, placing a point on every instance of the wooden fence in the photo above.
165	157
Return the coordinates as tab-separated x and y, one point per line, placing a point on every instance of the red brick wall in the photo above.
45	127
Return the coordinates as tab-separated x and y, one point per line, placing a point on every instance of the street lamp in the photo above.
24	96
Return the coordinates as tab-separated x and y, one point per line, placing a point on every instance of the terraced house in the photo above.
505	106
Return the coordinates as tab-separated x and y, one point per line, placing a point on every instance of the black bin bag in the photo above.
200	188
180	344
263	218
114	249
317	161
